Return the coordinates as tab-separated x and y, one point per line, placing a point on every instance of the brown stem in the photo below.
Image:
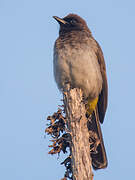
77	126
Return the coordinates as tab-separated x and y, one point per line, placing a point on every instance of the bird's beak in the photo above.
59	20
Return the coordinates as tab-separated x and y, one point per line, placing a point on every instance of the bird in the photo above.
78	60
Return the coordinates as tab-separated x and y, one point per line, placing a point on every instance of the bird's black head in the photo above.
71	22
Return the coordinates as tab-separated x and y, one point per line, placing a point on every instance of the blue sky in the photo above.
28	93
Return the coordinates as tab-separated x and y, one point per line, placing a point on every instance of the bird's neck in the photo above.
74	36
73	32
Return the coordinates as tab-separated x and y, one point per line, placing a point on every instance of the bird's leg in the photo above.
84	100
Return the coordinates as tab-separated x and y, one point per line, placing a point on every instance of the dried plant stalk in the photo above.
77	125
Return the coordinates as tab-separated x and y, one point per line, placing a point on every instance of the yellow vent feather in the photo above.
91	105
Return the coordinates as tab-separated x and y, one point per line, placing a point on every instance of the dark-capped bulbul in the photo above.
79	61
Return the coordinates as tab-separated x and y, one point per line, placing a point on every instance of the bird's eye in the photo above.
73	21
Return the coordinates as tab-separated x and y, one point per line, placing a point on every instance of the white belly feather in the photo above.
80	68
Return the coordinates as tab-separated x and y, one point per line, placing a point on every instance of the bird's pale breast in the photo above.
77	65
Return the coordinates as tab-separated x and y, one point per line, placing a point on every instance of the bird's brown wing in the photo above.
99	158
103	97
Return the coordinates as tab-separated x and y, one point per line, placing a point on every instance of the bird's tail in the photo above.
98	153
